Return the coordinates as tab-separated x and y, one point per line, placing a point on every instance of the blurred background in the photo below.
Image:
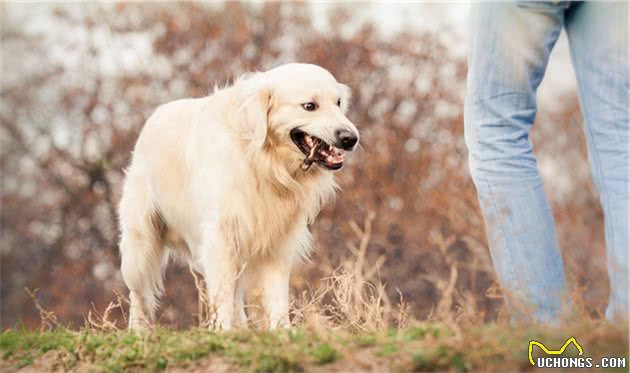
78	81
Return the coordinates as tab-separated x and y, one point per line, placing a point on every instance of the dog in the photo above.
229	183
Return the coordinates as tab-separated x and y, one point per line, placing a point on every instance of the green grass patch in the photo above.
388	349
324	353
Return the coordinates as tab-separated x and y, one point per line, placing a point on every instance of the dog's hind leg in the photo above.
142	272
142	253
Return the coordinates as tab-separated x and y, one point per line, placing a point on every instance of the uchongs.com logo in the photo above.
555	358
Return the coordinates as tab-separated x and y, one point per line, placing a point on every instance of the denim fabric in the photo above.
509	49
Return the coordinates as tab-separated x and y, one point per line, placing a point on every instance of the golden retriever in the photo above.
230	182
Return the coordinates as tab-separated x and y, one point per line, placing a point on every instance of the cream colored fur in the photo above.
217	181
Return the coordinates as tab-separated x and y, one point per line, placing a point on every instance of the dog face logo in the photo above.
553	352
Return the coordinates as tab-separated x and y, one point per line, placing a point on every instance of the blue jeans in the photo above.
509	50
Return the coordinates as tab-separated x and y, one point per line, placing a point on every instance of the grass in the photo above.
422	347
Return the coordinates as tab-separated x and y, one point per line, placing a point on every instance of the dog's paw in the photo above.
139	324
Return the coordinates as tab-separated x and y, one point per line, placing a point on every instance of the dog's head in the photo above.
299	111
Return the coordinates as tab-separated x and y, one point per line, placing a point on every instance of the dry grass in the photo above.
353	297
48	319
106	321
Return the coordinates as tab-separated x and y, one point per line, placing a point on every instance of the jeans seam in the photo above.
597	172
496	209
603	194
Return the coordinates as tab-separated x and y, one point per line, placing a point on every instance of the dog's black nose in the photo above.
346	139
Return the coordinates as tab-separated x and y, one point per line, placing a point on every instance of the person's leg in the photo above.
509	50
598	36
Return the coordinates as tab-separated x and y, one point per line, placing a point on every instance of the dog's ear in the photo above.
255	106
346	97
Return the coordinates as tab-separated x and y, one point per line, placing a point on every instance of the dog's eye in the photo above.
338	102
310	106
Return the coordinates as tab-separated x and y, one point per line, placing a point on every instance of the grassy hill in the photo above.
420	347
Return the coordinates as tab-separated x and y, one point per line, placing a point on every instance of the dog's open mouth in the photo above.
317	151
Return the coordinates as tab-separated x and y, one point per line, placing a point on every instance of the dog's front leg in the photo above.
220	275
274	276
